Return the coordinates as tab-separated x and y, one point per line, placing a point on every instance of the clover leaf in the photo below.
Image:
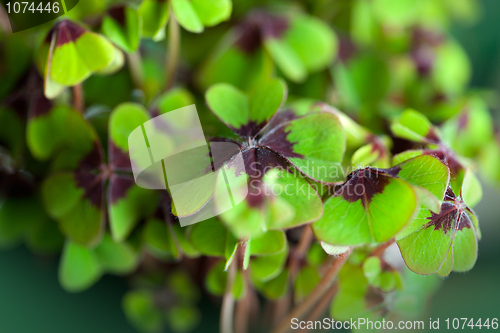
440	242
373	205
70	54
123	26
74	194
312	145
298	45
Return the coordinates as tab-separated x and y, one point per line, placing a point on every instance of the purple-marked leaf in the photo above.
79	268
371	206
123	26
127	203
314	144
58	128
276	200
74	54
433	242
155	14
247	114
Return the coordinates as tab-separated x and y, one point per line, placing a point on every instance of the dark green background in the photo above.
31	300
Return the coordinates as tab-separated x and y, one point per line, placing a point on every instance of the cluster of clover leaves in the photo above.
269	86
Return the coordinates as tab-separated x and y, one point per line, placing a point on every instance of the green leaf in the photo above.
61	128
140	310
155	14
17	217
158	240
235	66
452	69
287	59
314	42
78	217
186	15
123	26
372	270
427	172
79	268
212	238
213	12
217	278
380	208
413	126
314	144
116	258
12	134
375	154
471	191
175	98
434	241
183	318
126	209
271	242
215	281
123	120
275	288
74	55
246	115
349	302
471	129
265	268
305	281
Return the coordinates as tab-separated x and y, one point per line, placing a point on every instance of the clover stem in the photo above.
243	308
135	67
4	21
174	42
320	308
300	251
321	288
381	248
78	103
226	315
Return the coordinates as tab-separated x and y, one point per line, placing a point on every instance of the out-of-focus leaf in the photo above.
140	310
79	268
123	26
